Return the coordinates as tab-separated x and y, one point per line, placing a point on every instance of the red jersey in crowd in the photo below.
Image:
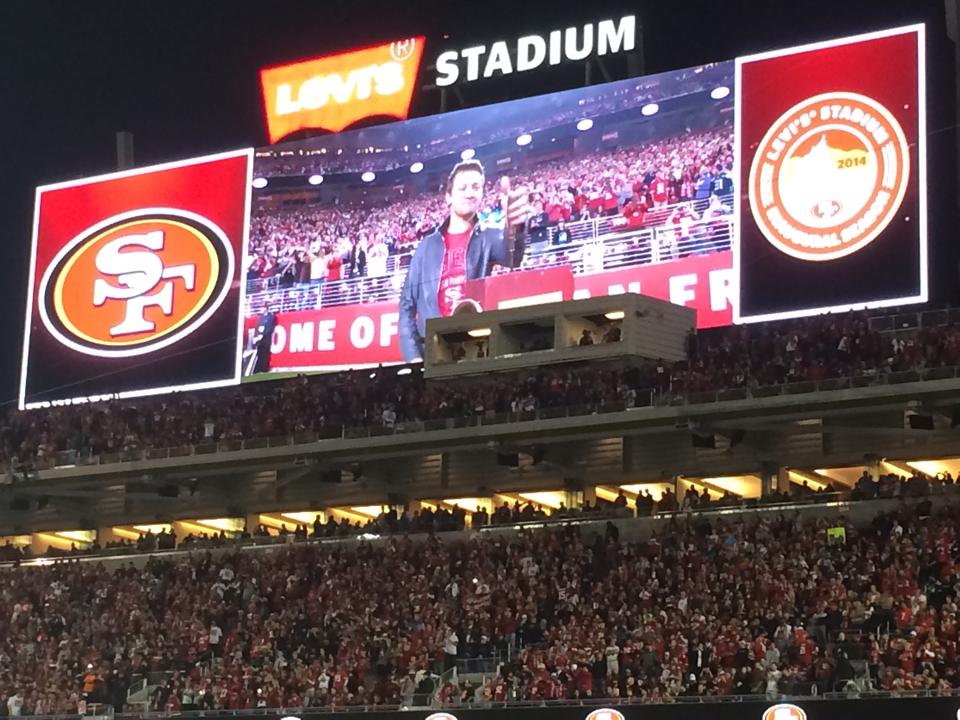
453	274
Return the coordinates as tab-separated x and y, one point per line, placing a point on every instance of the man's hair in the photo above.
463	166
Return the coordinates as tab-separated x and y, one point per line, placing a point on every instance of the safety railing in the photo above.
642	400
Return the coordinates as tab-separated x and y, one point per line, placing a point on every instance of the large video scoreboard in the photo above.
777	185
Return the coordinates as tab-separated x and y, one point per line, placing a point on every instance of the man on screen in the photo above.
463	248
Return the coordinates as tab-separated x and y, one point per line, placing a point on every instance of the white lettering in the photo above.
362	333
301	337
325	330
614	38
285	102
278	341
388	328
389	78
682	289
531	52
721	289
498	60
472	54
447	69
570	48
555	47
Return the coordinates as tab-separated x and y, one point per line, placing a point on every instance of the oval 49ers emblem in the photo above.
829	176
136	282
784	711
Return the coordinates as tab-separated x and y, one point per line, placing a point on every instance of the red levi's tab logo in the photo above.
333	92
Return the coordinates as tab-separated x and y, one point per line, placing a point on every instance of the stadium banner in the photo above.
134	285
357	238
717	708
831	166
366	334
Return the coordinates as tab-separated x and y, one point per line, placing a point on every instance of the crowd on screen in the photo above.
436	137
709	606
316	245
745	357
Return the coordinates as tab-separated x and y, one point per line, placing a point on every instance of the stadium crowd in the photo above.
725	605
749	357
333	242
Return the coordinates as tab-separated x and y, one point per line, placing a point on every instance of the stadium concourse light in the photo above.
468	154
584	124
416	167
404	371
315	179
649	109
524	139
368	176
259	183
720	92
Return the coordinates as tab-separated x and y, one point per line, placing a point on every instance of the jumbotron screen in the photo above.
776	185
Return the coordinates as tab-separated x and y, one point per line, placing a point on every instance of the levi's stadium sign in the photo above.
335	91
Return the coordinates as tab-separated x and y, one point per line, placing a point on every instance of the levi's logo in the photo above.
333	92
136	282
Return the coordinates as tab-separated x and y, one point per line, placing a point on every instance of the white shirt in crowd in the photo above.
15	704
215	634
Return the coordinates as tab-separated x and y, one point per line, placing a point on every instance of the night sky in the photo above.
182	77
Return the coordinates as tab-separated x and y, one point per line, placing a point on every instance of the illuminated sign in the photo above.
531	51
830	150
97	291
135	281
335	91
829	176
784	711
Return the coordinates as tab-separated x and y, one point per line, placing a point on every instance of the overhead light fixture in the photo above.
720	92
416	167
315	179
524	139
404	371
649	109
614	315
478	332
259	183
368	176
584	124
468	154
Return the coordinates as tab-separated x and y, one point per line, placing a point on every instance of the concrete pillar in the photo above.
106	535
590	495
783	480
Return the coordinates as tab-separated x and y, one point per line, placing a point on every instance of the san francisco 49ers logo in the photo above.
829	176
136	282
784	711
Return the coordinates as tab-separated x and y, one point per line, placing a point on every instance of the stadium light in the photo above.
720	92
614	315
368	176
468	154
584	124
649	109
416	167
524	139
259	183
479	332
315	179
404	371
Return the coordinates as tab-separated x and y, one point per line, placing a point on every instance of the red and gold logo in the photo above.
784	711
136	282
829	176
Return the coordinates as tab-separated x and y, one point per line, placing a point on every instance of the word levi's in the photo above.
531	51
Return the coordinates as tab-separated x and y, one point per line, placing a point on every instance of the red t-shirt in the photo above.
333	268
453	273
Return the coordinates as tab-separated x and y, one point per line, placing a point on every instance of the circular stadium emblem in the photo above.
605	714
784	711
829	176
136	282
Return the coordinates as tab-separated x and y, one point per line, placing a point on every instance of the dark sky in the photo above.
182	76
